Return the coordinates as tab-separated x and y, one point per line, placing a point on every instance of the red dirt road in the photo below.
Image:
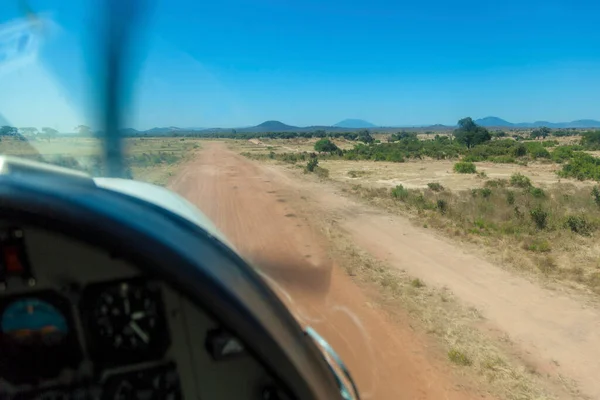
253	206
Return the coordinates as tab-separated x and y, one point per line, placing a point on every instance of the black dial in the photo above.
148	384
125	321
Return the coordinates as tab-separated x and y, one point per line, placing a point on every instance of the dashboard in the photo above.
79	323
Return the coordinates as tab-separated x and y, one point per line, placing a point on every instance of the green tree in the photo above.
28	131
325	145
8	131
470	134
49	131
542	132
365	136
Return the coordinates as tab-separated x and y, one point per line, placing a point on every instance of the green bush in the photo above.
436	187
459	358
465	168
399	192
537	192
537	150
442	206
312	164
537	245
596	195
539	216
579	224
581	166
510	197
325	146
520	180
484	193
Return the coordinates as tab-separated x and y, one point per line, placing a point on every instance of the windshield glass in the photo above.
416	181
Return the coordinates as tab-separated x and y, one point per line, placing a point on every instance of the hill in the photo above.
354	124
493	121
499	122
270	126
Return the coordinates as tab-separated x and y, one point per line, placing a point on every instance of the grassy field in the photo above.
524	215
151	160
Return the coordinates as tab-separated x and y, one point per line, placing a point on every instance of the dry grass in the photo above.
82	153
501	221
492	362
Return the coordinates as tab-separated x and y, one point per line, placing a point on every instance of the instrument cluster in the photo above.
84	336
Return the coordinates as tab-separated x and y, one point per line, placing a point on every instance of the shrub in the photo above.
436	187
596	195
312	164
399	192
465	168
519	151
579	224
325	145
562	153
417	283
485	192
536	150
550	143
536	245
539	216
442	206
510	197
581	166
537	192
520	180
459	358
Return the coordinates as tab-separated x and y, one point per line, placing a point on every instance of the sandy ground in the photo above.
254	206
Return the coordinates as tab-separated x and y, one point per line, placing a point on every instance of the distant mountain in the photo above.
493	122
499	122
354	124
270	126
163	131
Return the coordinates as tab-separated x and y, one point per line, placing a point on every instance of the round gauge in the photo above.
125	321
149	384
36	339
31	321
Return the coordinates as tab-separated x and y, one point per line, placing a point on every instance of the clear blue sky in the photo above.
240	62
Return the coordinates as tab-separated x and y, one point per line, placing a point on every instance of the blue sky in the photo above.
312	62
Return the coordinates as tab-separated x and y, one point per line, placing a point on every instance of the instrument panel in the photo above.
77	323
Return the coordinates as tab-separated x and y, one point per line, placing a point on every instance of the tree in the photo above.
49	131
325	145
8	131
83	130
365	137
542	132
28	131
470	134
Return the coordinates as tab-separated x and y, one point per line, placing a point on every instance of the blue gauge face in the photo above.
34	320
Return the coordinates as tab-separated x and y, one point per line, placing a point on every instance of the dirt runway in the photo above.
255	208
